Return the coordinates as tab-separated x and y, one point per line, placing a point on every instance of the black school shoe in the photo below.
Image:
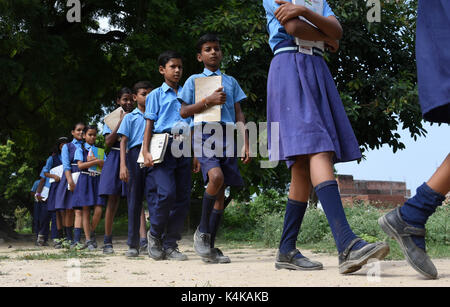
216	256
351	261
174	254
154	247
395	227
287	261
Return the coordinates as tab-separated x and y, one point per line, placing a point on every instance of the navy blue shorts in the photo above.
228	165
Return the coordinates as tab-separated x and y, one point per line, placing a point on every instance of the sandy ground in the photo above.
250	267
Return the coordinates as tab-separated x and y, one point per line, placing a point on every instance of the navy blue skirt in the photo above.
51	199
302	98
433	59
110	183
63	199
86	192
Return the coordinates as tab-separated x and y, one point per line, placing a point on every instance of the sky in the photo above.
414	165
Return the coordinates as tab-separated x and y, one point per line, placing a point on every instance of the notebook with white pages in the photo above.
58	171
304	45
158	146
204	87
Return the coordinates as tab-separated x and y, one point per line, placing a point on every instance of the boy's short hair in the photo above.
142	84
166	56
209	37
123	90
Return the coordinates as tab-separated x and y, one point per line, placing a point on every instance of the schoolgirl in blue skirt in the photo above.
314	131
406	224
54	161
86	195
110	186
66	187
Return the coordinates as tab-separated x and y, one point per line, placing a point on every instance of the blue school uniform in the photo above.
44	214
433	59
52	162
110	183
63	199
133	127
86	193
173	175
303	100
235	94
36	208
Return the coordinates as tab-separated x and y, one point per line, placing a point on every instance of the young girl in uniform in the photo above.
86	194
110	185
53	161
314	131
66	187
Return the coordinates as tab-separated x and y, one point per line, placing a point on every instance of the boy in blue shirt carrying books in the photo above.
219	169
173	175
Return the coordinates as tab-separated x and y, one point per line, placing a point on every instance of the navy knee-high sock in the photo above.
293	218
77	234
417	209
214	222
330	198
207	206
69	235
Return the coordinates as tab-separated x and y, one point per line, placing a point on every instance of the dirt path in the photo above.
249	267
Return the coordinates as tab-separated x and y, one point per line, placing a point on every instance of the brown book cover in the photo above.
203	88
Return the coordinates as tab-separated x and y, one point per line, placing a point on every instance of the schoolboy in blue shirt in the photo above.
132	132
218	172
173	174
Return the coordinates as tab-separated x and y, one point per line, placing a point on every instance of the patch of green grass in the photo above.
4	257
66	254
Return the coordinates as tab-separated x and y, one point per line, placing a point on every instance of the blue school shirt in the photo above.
277	33
106	129
163	107
49	164
47	180
231	87
133	127
35	185
79	156
65	156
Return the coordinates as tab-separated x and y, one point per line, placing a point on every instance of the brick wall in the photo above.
379	193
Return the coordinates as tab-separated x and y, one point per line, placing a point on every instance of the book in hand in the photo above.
58	171
75	177
204	87
98	153
304	45
113	118
158	146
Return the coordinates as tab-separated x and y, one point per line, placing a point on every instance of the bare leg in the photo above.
215	182
300	187
321	167
86	222
78	223
440	181
110	212
142	228
96	217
